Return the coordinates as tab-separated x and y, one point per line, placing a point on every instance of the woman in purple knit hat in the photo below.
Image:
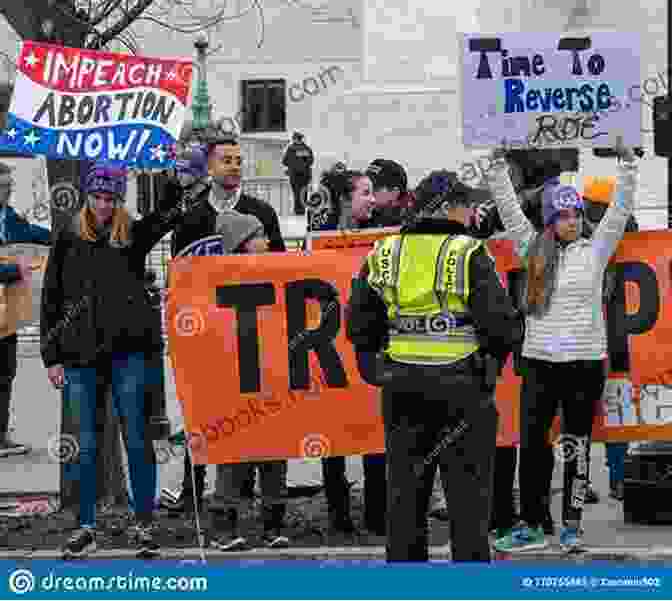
98	329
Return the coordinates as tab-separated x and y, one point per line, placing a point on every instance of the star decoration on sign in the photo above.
31	60
32	138
11	134
158	154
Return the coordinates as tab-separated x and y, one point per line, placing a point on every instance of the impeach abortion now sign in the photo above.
541	89
70	103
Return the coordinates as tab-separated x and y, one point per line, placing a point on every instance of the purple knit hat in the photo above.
194	162
557	197
103	177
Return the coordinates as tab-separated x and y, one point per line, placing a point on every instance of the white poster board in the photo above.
550	89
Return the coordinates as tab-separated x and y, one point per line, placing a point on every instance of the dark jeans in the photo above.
199	477
616	452
8	346
337	490
578	385
129	378
421	406
503	510
298	185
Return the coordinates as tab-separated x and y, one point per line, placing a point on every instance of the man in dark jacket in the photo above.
13	229
390	187
441	364
299	160
209	196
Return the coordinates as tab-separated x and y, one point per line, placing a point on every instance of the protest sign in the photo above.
546	90
263	368
20	303
71	103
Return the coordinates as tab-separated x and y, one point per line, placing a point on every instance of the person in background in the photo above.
431	300
244	234
214	187
347	202
13	229
299	160
565	338
95	274
390	189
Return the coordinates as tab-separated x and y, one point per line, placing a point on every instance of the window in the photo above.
264	105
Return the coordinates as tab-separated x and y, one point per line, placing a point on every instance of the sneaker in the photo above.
146	546
274	540
571	540
522	538
9	448
229	542
80	544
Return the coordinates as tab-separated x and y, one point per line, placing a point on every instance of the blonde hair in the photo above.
121	226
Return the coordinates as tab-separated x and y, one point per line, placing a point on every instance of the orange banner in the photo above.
263	368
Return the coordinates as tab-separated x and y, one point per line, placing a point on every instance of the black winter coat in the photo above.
94	299
200	222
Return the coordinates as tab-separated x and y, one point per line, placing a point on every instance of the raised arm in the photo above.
611	228
518	226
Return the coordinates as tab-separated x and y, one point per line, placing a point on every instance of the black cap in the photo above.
441	187
387	174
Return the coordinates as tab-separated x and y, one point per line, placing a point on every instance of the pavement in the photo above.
36	408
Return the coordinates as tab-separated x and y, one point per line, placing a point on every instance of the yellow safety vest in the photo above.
424	281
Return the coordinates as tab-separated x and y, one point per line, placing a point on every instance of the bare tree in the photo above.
96	24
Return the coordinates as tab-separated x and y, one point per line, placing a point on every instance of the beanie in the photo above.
387	174
236	228
599	189
193	161
557	197
103	177
441	190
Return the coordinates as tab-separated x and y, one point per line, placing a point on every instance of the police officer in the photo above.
430	298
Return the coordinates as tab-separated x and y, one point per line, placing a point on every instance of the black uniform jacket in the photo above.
499	327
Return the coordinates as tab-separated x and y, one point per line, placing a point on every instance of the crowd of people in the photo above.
564	238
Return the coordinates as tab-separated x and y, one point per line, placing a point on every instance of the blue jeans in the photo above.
616	452
128	376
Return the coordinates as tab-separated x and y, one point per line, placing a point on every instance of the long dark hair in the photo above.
340	184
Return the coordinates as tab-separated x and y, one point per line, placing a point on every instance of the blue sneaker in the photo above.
522	538
571	539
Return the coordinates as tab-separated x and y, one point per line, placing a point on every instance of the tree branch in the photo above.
122	24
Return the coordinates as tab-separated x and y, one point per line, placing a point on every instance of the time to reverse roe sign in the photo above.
258	369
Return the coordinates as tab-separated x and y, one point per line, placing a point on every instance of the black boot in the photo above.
274	517
337	490
230	539
547	524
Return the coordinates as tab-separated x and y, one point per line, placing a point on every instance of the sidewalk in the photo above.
37	415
